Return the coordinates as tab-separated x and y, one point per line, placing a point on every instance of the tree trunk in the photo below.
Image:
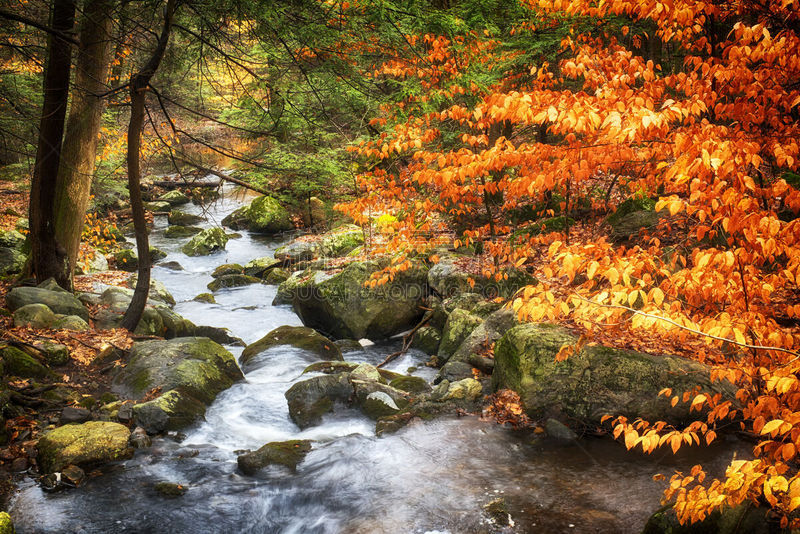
48	258
138	87
83	126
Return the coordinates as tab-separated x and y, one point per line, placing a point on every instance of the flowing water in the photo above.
429	477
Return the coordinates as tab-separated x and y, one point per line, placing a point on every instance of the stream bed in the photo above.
430	477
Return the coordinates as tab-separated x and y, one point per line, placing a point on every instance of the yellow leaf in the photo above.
771	426
658	296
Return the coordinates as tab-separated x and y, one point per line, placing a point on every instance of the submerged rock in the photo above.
87	445
285	453
300	337
310	399
178	231
596	381
170	489
181	218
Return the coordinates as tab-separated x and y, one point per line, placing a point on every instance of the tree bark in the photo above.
138	87
48	258
83	126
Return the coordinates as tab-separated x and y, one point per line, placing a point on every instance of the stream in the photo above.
430	477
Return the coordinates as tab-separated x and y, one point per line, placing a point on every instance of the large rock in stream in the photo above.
300	337
86	445
285	453
264	214
339	305
596	381
208	241
189	372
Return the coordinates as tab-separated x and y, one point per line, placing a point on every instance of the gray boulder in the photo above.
208	241
596	381
285	453
61	302
300	337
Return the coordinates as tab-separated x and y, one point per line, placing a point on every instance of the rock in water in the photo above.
286	453
300	337
208	241
341	306
190	371
88	445
596	381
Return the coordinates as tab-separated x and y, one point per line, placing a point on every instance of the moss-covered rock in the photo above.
85	445
743	519
466	389
181	218
178	231
208	241
300	337
70	322
12	261
54	353
341	306
19	363
485	335
192	369
349	345
379	404
595	382
126	259
285	453
314	213
232	280
259	267
35	316
157	206
174	198
227	268
61	302
427	339
449	277
172	410
341	241
460	324
310	399
208	298
6	524
288	288
276	276
298	250
411	384
170	489
11	239
633	215
267	215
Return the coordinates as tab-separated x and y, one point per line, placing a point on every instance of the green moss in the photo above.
178	231
205	297
170	489
226	269
6	525
411	384
206	242
286	453
21	364
265	214
86	445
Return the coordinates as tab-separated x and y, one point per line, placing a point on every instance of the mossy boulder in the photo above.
172	410
54	353
174	198
194	369
300	337
85	445
485	335
341	241
11	239
70	322
379	404
310	399
208	298
267	215
411	384
596	381
227	268
633	215
157	206
276	276
743	519
181	218
288	288
19	363
232	280
427	339
314	213
467	389
178	231
450	276
35	316
12	261
126	259
460	324
285	453
208	241
6	524
170	489
259	267
297	251
60	302
94	262
341	306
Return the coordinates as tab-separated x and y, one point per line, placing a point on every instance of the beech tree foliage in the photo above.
692	106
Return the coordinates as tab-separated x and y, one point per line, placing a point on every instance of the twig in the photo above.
407	340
